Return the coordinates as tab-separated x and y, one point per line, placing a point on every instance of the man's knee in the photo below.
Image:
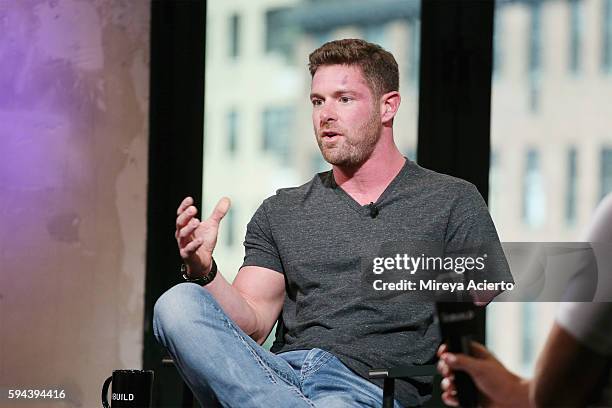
173	310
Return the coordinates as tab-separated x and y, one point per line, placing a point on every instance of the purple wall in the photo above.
73	145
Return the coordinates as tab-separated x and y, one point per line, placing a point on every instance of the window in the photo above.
277	127
234	36
321	37
575	35
570	194
280	34
528	346
534	182
262	76
494	184
230	226
535	54
232	131
497	47
410	153
375	33
534	205
318	163
606	171
414	52
607	36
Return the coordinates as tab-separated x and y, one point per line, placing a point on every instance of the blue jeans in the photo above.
217	359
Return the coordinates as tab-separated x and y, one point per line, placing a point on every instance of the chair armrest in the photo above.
187	398
390	374
404	371
167	361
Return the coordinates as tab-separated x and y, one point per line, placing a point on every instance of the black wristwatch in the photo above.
202	280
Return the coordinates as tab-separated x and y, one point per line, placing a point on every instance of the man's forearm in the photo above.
234	305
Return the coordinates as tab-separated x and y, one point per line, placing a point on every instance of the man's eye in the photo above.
345	99
316	102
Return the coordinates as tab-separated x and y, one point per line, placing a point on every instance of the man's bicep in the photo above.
469	221
264	290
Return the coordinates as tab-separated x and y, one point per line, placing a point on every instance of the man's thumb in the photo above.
221	209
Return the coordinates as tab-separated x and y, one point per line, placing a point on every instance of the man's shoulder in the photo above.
291	196
434	181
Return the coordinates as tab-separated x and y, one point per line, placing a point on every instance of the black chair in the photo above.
187	397
389	375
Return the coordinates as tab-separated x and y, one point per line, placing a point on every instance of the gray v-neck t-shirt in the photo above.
318	237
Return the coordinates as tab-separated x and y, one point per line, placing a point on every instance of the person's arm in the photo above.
255	299
578	348
572	363
567	372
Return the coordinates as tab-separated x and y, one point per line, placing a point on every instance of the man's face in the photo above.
345	115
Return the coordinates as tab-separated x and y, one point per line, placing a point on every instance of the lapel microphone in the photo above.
373	210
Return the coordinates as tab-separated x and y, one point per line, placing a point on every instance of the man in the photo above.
305	249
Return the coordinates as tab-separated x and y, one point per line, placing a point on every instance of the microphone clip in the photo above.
373	210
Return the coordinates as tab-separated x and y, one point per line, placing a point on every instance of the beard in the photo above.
352	148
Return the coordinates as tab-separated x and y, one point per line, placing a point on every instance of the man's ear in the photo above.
390	103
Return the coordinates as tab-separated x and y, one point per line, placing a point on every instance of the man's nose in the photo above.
328	114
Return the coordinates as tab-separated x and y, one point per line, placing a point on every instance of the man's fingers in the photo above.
189	228
187	201
185	216
190	248
220	210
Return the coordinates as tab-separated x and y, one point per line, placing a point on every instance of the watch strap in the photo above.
202	280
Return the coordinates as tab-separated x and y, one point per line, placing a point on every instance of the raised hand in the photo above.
197	239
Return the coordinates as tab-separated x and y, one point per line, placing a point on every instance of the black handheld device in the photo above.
457	327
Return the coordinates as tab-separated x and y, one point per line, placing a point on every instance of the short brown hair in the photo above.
378	65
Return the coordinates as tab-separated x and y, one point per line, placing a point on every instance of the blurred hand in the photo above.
498	387
197	239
